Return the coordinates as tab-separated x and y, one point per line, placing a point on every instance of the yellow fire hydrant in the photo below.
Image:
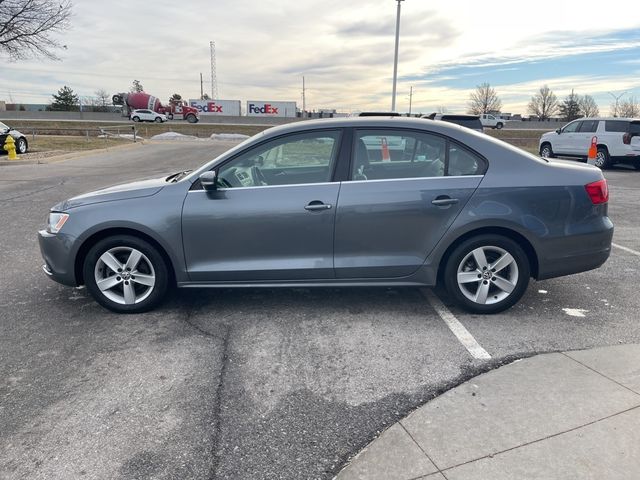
10	147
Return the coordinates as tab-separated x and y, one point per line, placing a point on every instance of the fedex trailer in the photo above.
217	107
261	108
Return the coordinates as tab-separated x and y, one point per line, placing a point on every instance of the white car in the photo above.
143	115
491	121
618	141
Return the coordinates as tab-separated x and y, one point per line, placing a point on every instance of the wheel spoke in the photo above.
110	261
134	258
107	283
504	261
503	284
148	280
469	277
482	293
129	294
480	258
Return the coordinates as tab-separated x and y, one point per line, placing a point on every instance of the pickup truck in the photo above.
491	121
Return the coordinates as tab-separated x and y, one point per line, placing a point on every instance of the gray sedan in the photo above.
345	202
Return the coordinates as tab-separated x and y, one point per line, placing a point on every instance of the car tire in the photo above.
124	288
546	151
135	119
475	286
499	125
21	145
158	120
191	118
170	116
603	159
636	165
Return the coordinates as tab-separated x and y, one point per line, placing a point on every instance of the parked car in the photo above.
315	204
22	146
470	121
618	141
143	115
492	121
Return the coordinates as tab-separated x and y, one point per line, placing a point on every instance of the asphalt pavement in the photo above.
249	384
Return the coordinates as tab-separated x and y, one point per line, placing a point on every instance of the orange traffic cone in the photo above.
385	150
593	150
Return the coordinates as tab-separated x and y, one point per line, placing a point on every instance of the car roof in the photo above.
622	119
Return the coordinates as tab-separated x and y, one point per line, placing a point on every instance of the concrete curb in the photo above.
559	415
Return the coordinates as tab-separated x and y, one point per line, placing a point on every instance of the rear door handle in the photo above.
443	201
317	205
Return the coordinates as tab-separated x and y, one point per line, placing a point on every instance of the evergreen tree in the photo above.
65	100
570	108
136	86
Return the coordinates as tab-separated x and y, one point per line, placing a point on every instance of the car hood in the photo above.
143	188
546	134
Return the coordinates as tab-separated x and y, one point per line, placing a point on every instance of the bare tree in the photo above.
102	99
544	104
629	108
28	27
484	100
136	86
588	106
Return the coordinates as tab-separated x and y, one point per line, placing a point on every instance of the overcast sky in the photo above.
344	49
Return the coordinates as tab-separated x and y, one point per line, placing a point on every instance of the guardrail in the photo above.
124	132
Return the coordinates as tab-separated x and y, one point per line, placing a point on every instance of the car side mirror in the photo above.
558	131
208	180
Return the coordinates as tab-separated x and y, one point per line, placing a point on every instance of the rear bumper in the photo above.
58	262
594	249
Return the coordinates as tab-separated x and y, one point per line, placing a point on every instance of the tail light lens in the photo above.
598	191
626	138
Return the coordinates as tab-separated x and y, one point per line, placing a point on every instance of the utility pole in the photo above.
410	98
395	59
201	87
214	80
617	98
304	99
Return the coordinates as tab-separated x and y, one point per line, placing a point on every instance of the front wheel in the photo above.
192	118
158	120
126	274
546	151
487	274
21	145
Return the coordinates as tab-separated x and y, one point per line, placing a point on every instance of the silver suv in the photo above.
618	141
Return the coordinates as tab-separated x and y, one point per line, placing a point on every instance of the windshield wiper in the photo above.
174	177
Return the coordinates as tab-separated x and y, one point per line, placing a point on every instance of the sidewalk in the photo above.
572	415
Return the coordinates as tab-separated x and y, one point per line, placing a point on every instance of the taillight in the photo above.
598	191
626	138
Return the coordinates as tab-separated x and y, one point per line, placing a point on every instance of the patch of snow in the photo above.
575	312
542	291
228	136
173	136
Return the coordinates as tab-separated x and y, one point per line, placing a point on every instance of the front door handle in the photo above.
444	200
317	205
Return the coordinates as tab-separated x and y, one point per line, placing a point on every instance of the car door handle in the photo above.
443	201
317	205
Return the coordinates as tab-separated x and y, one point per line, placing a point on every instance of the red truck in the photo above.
136	100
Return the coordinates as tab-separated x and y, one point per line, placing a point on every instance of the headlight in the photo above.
55	221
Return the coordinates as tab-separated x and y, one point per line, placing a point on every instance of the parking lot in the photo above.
260	383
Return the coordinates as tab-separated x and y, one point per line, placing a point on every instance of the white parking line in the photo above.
626	249
461	333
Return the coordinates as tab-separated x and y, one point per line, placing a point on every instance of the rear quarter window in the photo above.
616	126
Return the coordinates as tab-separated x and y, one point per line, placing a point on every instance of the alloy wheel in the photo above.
125	275
487	275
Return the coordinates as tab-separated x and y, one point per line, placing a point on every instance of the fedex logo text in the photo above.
266	108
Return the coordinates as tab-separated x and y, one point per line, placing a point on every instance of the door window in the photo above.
588	126
392	154
571	128
294	159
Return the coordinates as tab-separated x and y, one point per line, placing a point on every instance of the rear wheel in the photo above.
546	151
603	159
499	125
136	119
191	118
487	274
126	274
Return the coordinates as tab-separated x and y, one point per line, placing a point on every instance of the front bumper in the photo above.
56	252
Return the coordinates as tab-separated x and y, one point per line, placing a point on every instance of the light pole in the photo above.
617	98
395	59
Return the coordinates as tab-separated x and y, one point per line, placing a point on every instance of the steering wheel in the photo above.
257	177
